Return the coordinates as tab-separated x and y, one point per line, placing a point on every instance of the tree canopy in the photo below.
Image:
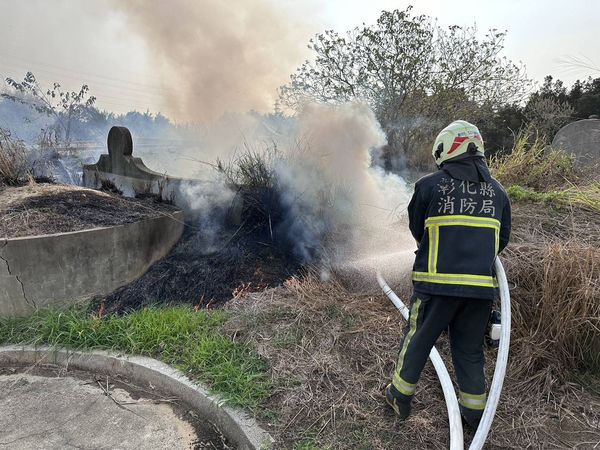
415	74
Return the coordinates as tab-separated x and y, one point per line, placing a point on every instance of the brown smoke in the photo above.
220	56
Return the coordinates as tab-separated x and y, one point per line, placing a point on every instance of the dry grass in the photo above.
532	164
331	351
556	312
584	198
13	160
251	168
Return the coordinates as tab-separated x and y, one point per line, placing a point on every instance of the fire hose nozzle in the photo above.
494	329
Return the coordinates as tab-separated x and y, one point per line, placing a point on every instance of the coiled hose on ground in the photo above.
456	430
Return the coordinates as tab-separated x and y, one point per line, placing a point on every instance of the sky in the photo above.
111	45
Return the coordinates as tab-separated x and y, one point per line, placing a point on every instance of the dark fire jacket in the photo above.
460	217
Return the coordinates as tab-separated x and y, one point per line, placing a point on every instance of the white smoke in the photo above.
219	56
334	200
334	197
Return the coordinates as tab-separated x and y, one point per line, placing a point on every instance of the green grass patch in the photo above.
191	341
587	197
525	194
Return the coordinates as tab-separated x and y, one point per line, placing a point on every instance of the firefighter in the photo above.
460	217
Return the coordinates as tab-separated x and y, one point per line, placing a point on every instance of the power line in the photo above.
11	45
101	94
69	75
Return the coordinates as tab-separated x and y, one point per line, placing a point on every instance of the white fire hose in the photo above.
501	361
456	430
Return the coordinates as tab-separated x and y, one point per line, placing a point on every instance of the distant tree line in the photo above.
35	114
546	111
416	75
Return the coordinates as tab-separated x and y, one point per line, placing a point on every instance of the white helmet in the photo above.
455	140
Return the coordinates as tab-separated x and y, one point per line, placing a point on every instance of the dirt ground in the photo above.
332	347
46	208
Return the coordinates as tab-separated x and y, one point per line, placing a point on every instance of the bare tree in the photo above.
547	115
65	106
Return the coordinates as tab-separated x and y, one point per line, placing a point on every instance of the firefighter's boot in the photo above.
397	401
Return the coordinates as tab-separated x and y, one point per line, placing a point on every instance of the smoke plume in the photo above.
220	56
335	200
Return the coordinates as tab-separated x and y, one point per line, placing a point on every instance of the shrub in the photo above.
13	160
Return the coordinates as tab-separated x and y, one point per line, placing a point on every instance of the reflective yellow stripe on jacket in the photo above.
455	278
463	221
433	224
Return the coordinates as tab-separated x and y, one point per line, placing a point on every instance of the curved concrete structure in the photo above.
130	175
237	426
581	138
63	268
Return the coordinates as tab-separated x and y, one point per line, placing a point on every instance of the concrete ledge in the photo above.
63	268
236	426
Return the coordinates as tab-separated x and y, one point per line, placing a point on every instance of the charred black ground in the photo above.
212	264
45	208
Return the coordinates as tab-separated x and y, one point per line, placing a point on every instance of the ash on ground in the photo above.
46	208
204	274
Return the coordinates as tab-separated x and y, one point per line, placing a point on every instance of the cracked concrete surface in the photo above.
66	268
11	287
16	277
58	410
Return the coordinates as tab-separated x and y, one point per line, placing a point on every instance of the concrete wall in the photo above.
60	269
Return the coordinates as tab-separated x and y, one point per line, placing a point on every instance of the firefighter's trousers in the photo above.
466	321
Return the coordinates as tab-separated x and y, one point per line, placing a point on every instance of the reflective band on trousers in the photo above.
455	278
472	401
403	386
